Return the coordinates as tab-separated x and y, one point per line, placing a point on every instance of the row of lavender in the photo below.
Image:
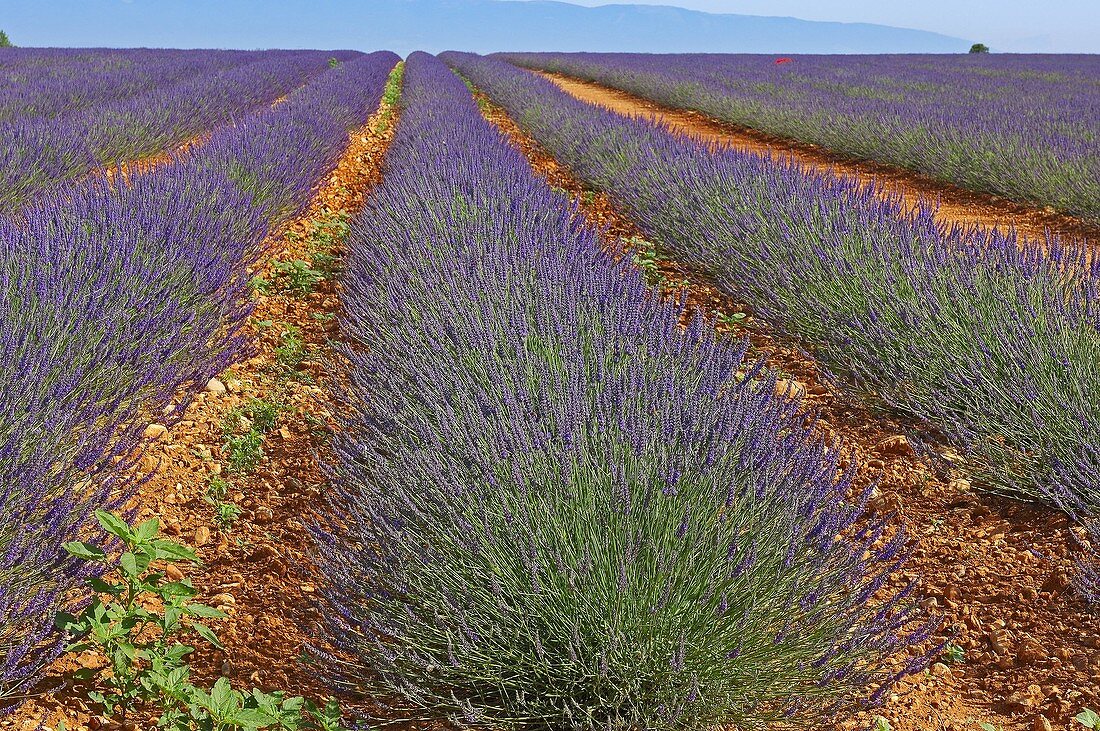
38	83
44	151
115	299
1022	127
984	339
554	507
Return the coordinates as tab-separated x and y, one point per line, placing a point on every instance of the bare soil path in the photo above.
152	161
956	205
995	569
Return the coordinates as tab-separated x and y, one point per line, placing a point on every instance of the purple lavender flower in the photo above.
979	338
586	610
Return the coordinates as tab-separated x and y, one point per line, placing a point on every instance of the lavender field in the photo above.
345	390
117	298
898	309
1019	126
82	132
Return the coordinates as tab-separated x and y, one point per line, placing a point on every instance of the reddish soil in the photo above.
956	205
256	569
147	163
995	569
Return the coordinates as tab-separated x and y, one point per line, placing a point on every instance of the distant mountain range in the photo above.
436	25
490	25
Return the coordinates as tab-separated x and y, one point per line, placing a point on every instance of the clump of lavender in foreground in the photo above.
977	338
553	507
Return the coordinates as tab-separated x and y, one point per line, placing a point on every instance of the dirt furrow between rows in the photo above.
237	477
1023	649
148	163
956	205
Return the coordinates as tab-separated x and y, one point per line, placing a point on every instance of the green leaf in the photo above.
177	590
252	718
68	623
79	647
144	558
201	699
114	525
129	564
178	652
1088	718
128	650
172	616
102	587
147	530
172	550
208	634
222	696
136	616
85	550
201	610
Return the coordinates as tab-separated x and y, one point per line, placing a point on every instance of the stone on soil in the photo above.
155	431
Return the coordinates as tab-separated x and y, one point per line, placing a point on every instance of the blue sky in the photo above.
1053	26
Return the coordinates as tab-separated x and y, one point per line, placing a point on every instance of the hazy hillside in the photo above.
474	25
493	25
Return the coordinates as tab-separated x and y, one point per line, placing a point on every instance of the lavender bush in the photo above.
552	506
116	299
45	151
39	83
1019	126
989	341
277	155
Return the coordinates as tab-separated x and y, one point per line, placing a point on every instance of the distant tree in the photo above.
979	48
5	42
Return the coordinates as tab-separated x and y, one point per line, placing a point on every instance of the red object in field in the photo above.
783	60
